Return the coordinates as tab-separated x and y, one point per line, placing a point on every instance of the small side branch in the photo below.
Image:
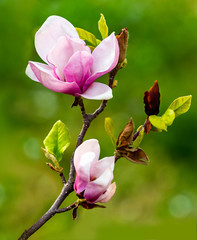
99	110
62	210
82	107
63	178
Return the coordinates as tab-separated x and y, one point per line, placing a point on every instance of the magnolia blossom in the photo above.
93	179
70	66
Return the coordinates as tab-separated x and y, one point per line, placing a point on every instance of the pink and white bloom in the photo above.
70	66
94	177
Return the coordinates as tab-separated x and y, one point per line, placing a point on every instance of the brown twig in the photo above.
61	210
63	178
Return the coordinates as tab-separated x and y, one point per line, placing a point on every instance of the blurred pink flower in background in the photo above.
94	176
70	66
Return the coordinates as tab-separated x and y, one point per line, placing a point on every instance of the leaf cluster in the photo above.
152	102
90	37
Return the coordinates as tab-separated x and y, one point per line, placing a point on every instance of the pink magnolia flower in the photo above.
93	179
70	66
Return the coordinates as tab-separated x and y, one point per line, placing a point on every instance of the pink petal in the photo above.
105	56
96	188
60	54
99	167
45	75
30	73
78	68
108	194
98	91
64	48
83	171
79	45
90	145
47	36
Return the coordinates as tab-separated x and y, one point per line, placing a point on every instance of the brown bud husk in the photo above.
122	38
125	137
152	100
87	205
136	155
74	213
147	126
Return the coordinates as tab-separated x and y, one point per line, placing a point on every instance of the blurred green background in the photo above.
154	202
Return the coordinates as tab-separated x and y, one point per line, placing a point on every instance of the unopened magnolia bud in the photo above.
122	38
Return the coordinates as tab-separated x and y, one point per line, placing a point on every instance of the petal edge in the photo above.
98	91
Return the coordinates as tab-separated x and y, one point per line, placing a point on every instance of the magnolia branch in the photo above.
68	186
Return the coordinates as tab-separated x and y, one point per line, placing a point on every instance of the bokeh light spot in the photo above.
180	206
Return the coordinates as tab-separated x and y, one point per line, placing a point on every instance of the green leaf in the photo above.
91	48
57	140
52	158
154	129
102	26
87	36
98	41
139	138
168	117
181	105
109	127
158	122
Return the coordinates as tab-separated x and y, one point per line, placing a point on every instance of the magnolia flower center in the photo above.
92	179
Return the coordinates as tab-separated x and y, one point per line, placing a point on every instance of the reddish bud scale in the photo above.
125	137
122	38
152	100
